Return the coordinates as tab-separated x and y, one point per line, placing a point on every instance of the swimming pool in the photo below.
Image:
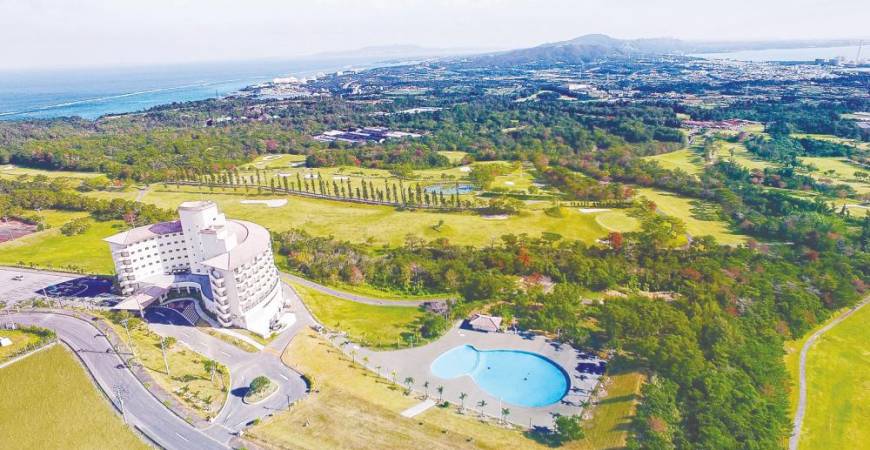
516	377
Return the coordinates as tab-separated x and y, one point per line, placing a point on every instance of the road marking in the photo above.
182	437
282	376
225	353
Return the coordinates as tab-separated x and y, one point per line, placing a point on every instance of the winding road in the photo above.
802	400
358	298
141	409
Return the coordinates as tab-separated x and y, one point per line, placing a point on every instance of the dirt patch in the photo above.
14	229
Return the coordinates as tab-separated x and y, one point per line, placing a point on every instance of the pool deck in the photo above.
416	363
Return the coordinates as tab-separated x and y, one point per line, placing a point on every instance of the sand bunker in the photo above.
593	210
270	203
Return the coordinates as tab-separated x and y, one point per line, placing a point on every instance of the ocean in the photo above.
91	93
791	54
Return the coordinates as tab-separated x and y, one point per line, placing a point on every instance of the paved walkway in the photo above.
802	400
418	408
416	362
355	297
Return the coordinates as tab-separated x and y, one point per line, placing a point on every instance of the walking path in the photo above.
802	402
358	298
418	408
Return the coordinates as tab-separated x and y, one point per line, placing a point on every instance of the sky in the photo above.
81	33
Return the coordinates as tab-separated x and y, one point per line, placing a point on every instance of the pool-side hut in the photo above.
485	323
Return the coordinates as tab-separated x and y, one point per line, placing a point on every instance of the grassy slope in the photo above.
51	249
20	339
351	408
49	402
686	159
377	326
838	402
682	208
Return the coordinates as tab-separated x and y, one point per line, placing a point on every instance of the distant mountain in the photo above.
593	47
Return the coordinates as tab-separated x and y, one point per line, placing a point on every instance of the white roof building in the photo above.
229	262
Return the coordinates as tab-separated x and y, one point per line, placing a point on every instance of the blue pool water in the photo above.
516	377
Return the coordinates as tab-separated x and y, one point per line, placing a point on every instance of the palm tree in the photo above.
353	356
366	361
462	397
378	370
408	382
210	366
393	376
481	404
504	413
426	387
440	390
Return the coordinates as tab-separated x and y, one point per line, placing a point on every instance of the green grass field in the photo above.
276	161
832	138
373	326
11	171
384	224
454	157
838	388
691	213
20	340
839	170
50	403
52	250
687	160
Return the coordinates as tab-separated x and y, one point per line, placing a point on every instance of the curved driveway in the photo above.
802	401
141	408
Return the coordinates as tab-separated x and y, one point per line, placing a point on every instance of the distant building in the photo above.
364	135
485	323
228	262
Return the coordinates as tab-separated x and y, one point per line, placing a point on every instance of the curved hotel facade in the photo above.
229	262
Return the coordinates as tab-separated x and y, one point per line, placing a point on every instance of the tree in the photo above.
481	404
440	390
408	382
462	397
505	412
568	428
259	384
426	387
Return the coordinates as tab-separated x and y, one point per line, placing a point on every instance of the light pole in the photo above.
163	349
121	393
125	322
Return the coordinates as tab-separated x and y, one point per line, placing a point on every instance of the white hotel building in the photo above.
229	262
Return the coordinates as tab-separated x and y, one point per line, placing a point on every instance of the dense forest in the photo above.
713	348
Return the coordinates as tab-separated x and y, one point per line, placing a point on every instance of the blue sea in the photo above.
91	93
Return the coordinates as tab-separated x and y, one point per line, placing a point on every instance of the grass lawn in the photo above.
351	408
838	390
49	402
52	250
690	212
276	161
687	160
832	138
11	171
188	380
743	157
617	220
20	340
373	326
382	224
454	157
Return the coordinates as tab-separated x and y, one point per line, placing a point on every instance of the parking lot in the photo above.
17	285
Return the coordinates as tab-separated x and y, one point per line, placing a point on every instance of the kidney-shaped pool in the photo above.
516	377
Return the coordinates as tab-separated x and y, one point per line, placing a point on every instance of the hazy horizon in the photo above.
99	33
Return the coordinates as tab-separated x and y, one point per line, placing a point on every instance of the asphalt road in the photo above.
802	399
243	366
141	409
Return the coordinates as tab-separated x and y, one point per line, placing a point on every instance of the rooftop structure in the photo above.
364	135
228	263
483	322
